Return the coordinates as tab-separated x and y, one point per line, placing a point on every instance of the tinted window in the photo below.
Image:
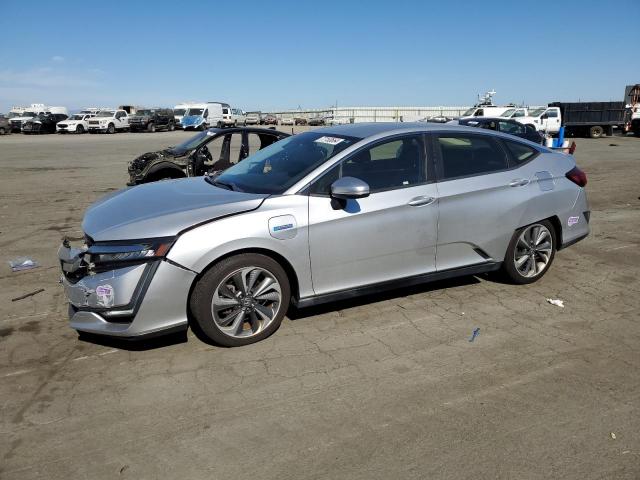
394	164
512	128
519	113
520	152
464	155
552	114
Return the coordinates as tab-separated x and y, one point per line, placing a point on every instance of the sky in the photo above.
260	55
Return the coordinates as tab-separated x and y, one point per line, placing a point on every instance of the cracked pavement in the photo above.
385	385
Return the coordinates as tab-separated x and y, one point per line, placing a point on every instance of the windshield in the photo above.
277	167
195	111
508	113
29	114
537	112
179	111
469	112
143	112
76	117
193	142
105	113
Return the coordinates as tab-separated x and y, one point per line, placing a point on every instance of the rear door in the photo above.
388	235
481	199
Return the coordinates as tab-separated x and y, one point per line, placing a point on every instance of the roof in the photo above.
364	130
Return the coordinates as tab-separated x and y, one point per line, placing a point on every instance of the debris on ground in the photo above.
22	263
613	144
476	332
613	435
27	295
555	301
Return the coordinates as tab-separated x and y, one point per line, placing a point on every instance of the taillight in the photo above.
577	176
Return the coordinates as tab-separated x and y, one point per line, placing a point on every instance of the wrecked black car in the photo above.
43	123
209	151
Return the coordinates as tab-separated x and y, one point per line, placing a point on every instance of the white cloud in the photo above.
57	59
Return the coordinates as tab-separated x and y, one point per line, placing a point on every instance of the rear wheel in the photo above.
530	253
241	300
596	131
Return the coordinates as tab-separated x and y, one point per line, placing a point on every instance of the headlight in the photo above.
137	252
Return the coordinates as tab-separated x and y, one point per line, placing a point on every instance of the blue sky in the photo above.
285	54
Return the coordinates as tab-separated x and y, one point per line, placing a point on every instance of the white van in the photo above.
179	112
200	116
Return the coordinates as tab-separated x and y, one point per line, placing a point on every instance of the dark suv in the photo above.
152	119
43	123
5	126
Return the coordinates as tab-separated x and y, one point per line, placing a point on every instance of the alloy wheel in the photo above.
533	251
246	302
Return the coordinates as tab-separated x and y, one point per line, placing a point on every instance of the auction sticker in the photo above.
330	140
572	221
105	295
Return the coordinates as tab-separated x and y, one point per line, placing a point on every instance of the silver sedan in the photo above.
318	217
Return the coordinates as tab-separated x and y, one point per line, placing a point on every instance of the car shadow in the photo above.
295	313
134	345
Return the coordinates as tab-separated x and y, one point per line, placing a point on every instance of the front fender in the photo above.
201	246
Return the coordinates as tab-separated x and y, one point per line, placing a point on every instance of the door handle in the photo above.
420	201
519	182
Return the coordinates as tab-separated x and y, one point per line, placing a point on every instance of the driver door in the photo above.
390	234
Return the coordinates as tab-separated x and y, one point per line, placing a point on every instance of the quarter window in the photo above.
512	128
470	155
520	153
394	164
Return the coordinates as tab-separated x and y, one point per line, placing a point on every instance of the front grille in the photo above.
62	125
91	122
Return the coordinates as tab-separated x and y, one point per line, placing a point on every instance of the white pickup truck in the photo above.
109	121
543	119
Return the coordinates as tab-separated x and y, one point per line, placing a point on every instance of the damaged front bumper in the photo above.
133	301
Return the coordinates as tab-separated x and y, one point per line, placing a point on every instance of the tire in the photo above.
241	319
219	125
520	272
596	131
111	128
245	123
171	127
235	124
2	131
151	127
79	129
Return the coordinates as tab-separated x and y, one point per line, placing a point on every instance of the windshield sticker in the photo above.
329	140
105	295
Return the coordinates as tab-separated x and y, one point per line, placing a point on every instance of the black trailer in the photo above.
592	119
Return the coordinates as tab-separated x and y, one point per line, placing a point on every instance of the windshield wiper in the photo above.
217	183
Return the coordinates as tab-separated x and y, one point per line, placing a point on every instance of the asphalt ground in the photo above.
385	386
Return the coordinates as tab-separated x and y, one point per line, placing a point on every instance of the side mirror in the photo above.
347	188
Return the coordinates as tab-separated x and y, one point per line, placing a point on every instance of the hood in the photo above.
192	120
163	209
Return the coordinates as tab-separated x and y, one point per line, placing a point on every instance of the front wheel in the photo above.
172	127
151	128
2	131
530	253
111	128
241	300
79	129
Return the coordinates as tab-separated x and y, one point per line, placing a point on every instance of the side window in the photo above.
518	113
520	153
465	155
206	113
479	113
512	128
394	164
552	114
